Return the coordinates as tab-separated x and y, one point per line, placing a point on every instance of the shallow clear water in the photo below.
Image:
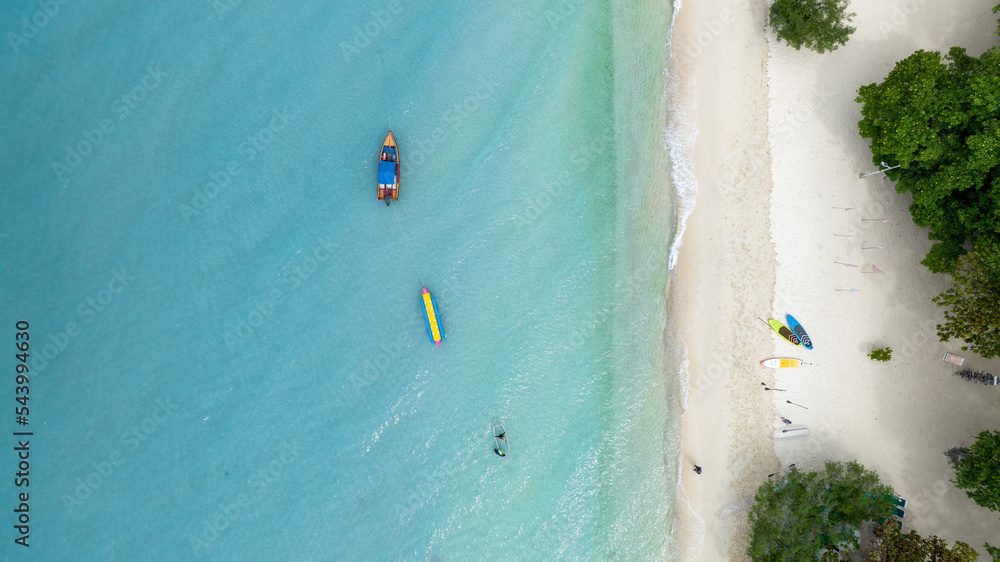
229	359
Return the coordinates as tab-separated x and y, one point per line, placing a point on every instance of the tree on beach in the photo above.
819	25
807	513
882	354
938	120
978	470
891	545
973	302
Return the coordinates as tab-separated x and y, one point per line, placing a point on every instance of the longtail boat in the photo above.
388	170
431	317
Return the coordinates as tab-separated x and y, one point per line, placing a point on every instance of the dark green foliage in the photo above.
889	545
993	551
807	513
978	470
973	302
820	25
882	355
939	120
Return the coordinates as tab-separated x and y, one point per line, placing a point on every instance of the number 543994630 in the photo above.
21	389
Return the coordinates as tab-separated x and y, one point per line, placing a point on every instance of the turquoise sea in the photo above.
228	358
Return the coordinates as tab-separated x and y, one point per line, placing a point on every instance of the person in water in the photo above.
497	450
503	438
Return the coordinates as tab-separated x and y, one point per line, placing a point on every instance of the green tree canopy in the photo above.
890	545
973	301
939	120
806	513
819	25
978	470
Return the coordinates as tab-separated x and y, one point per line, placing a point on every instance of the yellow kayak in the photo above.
781	362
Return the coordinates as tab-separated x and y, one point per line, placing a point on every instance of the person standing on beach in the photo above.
786	420
697	469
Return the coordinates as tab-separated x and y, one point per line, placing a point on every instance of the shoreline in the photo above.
724	277
776	157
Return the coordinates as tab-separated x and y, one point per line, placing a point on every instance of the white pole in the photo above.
862	176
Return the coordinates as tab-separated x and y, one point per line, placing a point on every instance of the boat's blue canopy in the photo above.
391	150
386	172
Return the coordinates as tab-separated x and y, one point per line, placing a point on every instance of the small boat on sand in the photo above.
388	170
781	362
736	508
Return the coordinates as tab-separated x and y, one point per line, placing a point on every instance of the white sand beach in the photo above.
777	159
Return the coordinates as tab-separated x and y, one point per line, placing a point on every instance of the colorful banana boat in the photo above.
431	317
